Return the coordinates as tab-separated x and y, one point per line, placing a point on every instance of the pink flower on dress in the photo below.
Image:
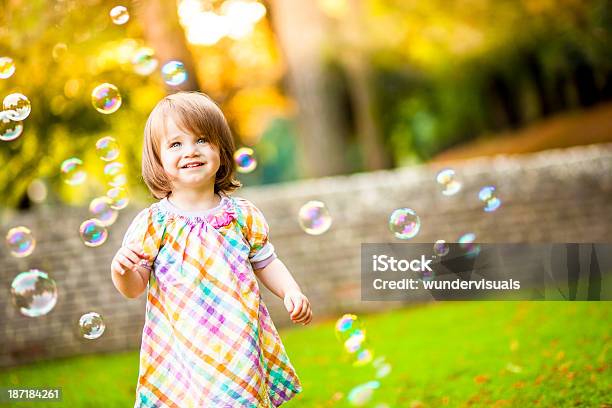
222	218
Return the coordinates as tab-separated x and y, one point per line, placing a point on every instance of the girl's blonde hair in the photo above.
198	114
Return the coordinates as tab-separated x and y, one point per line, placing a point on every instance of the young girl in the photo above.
208	340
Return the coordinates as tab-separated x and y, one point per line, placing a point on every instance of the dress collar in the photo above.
218	216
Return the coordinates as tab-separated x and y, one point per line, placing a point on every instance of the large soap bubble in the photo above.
34	293
17	106
314	218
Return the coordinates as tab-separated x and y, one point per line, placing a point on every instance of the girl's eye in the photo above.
175	144
201	140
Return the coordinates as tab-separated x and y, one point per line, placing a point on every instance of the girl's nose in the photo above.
191	150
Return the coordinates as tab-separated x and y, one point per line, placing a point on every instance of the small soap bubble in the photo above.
364	357
107	148
427	275
314	218
106	98
383	368
114	174
468	245
7	67
346	324
119	15
355	341
34	293
72	171
58	51
101	209
245	160
441	248
362	394
91	325
144	61
404	223
119	198
16	106
448	181
20	241
488	196
93	233
174	73
9	130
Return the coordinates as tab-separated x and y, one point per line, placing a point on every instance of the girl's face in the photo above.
189	160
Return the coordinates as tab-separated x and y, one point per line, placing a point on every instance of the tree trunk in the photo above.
163	33
301	32
363	98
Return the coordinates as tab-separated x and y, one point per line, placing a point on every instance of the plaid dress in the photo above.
208	340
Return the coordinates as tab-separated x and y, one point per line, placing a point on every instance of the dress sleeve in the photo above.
146	231
262	251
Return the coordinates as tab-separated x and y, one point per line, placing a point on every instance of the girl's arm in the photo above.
276	277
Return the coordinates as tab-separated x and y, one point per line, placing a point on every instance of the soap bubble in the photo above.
20	241
441	248
144	61
115	175
447	179
404	223
427	275
362	394
72	171
346	324
468	245
489	197
107	148
382	367
91	325
9	130
93	233
34	293
119	198
119	15
364	357
106	98
58	51
7	67
314	218
102	211
245	160
355	341
16	106
174	73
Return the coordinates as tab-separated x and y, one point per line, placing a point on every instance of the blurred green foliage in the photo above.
457	70
62	50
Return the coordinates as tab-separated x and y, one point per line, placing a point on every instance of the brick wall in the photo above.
551	196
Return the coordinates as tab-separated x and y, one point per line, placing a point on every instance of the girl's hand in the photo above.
298	307
129	258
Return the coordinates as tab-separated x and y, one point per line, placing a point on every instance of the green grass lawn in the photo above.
446	354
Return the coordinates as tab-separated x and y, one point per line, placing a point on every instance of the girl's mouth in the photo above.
192	165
